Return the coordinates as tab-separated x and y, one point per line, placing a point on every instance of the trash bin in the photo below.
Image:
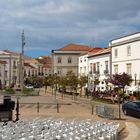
6	109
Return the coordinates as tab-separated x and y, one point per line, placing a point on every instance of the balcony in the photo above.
14	67
90	72
106	72
97	72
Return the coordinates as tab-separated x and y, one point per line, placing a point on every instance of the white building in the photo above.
83	65
11	67
38	67
66	58
2	74
99	68
126	55
83	68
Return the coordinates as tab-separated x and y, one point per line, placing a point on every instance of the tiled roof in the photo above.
46	66
75	47
92	51
31	61
43	57
28	65
103	51
2	62
10	52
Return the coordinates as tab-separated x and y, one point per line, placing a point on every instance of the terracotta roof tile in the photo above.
7	51
92	51
75	47
103	51
46	66
31	61
28	65
2	62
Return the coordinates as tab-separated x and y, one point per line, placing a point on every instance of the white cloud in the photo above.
52	23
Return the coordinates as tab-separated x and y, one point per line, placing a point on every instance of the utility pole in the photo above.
10	69
22	61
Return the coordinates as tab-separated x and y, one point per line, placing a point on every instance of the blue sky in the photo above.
51	24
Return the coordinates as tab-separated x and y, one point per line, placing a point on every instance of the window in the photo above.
0	71
81	60
84	69
116	53
59	60
115	68
106	67
128	68
85	59
80	70
91	68
14	64
98	68
94	67
6	74
59	72
69	60
128	50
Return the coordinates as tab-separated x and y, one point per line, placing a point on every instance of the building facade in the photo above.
125	56
83	68
11	67
66	59
99	68
2	74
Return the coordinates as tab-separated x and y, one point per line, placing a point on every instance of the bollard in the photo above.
57	108
17	110
92	109
38	107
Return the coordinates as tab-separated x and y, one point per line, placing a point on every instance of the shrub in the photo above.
9	91
27	91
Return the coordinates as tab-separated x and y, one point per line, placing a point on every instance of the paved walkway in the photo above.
132	130
80	109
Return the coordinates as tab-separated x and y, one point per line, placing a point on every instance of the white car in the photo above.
29	86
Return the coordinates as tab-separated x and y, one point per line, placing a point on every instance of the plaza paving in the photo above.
79	109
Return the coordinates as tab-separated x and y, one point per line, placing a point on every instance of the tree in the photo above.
95	82
82	82
72	82
46	83
62	84
121	80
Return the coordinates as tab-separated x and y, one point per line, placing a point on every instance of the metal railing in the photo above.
106	111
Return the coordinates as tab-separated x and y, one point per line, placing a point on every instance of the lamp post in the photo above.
135	75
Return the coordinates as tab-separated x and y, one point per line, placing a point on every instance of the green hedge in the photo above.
10	91
27	91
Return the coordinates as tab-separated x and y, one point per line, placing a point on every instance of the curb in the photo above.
133	131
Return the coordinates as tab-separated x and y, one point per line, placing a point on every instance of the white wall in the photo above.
101	59
82	64
123	59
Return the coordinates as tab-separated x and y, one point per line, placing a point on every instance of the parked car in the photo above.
132	108
29	86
